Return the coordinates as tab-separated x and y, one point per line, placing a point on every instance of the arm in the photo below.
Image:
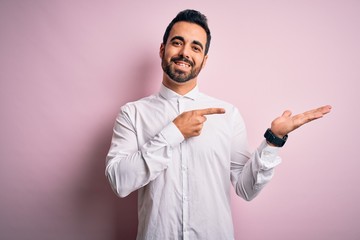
249	173
129	166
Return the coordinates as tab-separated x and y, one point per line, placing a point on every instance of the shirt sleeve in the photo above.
250	172
129	166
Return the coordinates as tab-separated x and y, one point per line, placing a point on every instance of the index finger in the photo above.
208	111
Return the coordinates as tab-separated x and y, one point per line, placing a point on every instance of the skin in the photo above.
187	41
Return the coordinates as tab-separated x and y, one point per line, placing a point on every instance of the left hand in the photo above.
287	123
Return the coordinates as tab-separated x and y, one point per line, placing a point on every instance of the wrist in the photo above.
277	134
273	139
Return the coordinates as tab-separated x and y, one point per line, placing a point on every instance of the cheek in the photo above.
199	61
167	54
171	51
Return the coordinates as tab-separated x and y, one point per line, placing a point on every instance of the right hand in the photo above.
190	123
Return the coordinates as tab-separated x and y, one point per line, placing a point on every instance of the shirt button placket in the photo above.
184	171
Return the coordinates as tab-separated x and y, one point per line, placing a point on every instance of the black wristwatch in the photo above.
273	139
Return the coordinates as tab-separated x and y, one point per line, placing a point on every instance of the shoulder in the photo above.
134	106
216	102
232	115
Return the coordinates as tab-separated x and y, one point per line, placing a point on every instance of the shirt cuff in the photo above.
172	135
269	157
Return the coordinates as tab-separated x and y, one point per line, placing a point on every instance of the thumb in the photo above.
287	113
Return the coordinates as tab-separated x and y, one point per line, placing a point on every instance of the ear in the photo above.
162	50
204	62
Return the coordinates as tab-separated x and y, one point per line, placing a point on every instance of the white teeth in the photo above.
182	64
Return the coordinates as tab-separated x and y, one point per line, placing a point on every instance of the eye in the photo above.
176	43
196	48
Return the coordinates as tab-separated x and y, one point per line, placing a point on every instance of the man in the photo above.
181	149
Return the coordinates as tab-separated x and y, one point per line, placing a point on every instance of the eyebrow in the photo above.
183	40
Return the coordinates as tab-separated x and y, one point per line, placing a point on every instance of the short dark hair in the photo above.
191	16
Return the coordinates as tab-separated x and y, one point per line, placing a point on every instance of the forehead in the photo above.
189	31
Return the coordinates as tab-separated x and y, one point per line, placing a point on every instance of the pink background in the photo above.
67	66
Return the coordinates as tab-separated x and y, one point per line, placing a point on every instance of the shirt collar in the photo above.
168	93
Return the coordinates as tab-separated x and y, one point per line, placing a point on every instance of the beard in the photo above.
178	75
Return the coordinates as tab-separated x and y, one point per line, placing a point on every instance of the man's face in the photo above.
183	56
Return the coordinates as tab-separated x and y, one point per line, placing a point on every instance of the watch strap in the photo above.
273	139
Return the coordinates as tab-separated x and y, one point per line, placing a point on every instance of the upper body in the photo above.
182	149
184	184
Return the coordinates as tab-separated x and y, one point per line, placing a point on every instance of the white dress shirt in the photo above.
184	184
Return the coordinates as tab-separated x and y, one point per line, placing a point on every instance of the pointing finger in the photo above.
208	111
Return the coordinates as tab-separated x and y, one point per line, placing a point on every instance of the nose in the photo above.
185	52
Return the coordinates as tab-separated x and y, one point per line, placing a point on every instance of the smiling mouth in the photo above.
182	64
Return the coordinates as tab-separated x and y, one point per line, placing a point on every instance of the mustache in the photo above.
182	59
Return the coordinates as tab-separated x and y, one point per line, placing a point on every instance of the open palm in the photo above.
287	123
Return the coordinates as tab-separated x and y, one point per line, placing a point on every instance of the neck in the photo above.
180	88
